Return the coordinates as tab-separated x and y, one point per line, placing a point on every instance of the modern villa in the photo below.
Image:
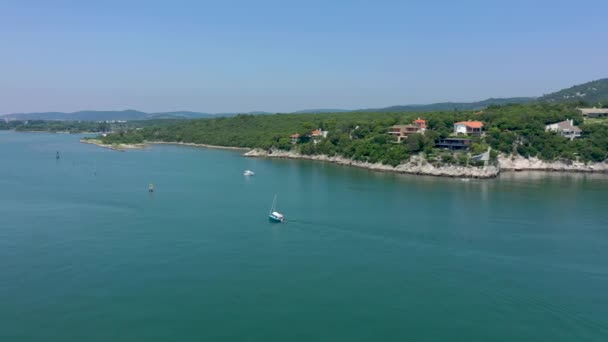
453	143
565	128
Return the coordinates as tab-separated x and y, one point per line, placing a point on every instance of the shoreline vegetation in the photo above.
476	144
471	144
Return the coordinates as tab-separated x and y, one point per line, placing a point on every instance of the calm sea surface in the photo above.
87	254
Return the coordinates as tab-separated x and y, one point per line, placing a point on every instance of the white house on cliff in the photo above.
468	127
565	128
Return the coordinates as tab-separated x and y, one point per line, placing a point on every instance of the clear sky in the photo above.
225	56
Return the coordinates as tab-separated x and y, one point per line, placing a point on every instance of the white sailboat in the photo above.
248	173
274	215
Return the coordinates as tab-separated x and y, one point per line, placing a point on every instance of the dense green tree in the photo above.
512	128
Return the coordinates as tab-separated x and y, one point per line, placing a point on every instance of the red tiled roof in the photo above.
294	136
419	120
316	132
471	124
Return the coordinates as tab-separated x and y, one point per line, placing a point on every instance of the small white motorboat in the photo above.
248	173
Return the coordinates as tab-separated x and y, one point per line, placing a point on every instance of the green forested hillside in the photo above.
515	128
450	106
595	92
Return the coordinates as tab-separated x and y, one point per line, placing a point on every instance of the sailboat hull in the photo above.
274	218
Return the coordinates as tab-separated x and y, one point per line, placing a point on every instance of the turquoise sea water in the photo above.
87	254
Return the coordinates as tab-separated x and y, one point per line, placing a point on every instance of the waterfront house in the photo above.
294	138
468	127
404	131
319	133
421	123
565	128
453	143
594	112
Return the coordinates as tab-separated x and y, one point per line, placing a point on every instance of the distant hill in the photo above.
446	106
591	92
111	115
179	115
118	115
86	115
316	111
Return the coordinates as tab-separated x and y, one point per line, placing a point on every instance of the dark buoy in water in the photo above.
151	187
57	155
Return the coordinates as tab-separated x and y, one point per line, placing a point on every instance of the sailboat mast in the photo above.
274	201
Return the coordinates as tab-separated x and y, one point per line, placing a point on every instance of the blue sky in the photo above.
225	56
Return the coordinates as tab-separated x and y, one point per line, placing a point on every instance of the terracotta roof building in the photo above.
403	131
420	123
468	127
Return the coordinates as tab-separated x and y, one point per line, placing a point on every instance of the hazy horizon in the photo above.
282	57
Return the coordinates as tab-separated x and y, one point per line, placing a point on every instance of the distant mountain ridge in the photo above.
116	115
594	92
110	115
444	106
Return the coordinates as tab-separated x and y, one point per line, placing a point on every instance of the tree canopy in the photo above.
511	128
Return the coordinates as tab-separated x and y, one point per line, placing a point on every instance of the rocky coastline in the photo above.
124	147
115	147
419	166
519	163
198	145
416	165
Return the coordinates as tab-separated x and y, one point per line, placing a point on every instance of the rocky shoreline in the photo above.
198	145
416	165
115	147
419	166
124	147
519	163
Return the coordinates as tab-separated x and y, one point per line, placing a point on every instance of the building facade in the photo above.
594	112
565	128
468	127
404	131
